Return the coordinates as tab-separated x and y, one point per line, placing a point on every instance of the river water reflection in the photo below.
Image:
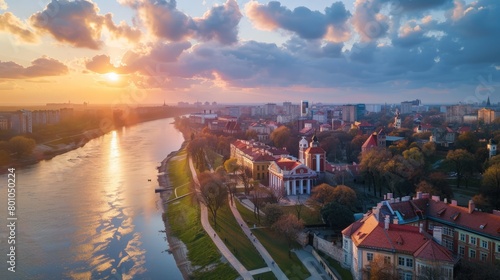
92	213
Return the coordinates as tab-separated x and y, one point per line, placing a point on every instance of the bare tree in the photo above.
298	206
213	193
289	227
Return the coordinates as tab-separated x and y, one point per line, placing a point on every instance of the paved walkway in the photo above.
312	265
215	238
263	252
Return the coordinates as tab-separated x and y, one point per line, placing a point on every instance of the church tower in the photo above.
303	145
492	148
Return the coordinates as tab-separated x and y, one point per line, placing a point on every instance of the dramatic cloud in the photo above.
302	21
3	5
79	24
102	64
13	25
40	67
164	20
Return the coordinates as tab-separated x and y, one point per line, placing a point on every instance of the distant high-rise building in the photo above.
487	115
304	108
349	113
456	113
22	122
270	109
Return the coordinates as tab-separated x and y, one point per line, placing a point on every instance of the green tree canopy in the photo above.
280	136
337	216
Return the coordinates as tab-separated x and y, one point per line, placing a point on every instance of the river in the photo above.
92	213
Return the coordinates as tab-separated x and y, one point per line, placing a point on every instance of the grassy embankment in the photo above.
344	273
184	219
276	246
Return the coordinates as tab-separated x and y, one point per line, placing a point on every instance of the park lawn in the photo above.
278	248
265	276
179	166
247	214
184	220
308	215
344	273
234	237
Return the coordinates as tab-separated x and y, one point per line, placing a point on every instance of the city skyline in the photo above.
145	52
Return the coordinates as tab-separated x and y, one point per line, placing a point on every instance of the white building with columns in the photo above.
291	176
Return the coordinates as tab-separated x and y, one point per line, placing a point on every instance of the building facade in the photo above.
291	177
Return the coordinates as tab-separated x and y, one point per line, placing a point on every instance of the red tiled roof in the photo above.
480	222
398	238
371	141
432	251
287	164
314	150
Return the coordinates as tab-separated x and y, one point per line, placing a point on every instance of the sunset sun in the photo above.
112	76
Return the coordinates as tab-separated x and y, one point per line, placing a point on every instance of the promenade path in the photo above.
255	241
213	235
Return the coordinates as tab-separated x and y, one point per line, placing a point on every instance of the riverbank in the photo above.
176	247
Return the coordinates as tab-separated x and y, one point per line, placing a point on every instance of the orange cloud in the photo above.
13	25
41	67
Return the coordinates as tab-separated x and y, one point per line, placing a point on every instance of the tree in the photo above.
246	178
491	184
429	149
257	194
273	213
280	136
231	165
298	206
396	172
21	145
440	183
344	195
467	141
337	216
372	163
380	269
213	193
289	227
321	195
461	161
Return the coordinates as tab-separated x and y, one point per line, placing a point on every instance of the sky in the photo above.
151	51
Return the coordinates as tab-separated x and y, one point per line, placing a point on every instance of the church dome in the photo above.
303	143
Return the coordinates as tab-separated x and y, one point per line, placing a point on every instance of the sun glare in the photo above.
112	76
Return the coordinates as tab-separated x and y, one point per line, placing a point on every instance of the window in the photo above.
258	167
483	257
484	244
448	243
461	251
369	257
462	237
448	231
387	260
473	240
409	262
401	261
498	248
405	275
472	254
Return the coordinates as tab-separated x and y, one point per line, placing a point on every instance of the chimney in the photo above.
453	202
386	222
471	206
419	195
446	200
395	221
421	227
496	212
389	195
425	195
436	198
398	199
375	211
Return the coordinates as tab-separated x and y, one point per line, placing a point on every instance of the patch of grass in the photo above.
180	174
184	220
344	273
308	215
265	276
221	271
230	231
247	214
278	248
